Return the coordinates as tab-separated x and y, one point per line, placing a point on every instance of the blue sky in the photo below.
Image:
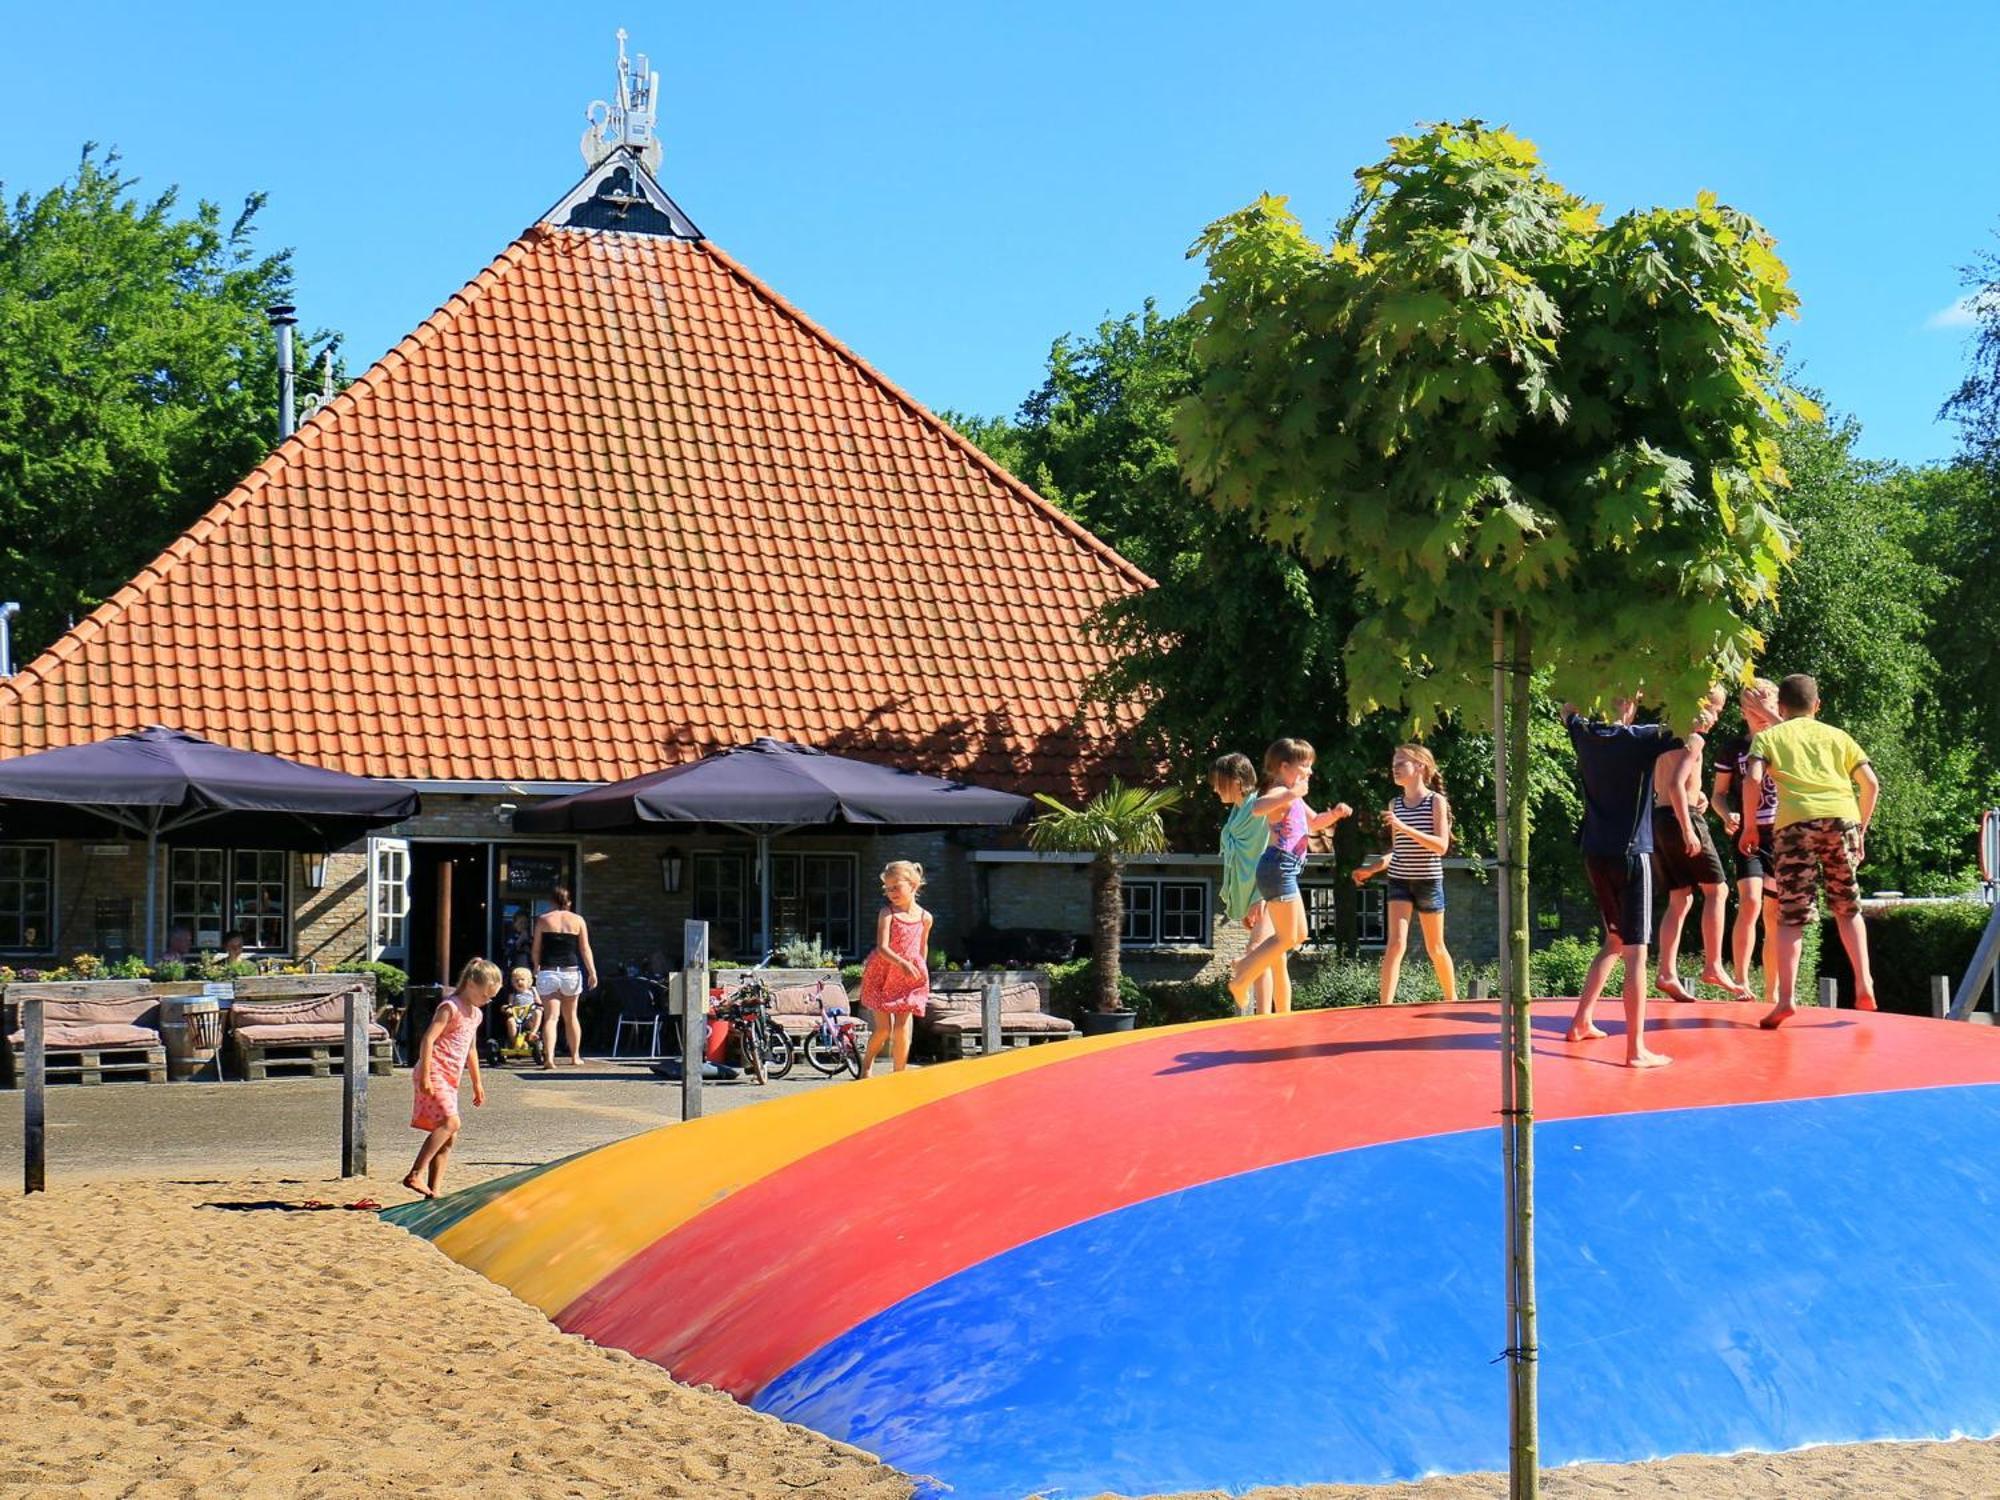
947	187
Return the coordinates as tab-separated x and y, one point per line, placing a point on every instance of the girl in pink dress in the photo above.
896	981
446	1050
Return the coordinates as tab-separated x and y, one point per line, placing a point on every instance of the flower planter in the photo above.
1104	1022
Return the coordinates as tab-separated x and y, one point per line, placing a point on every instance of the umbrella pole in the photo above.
764	885
152	891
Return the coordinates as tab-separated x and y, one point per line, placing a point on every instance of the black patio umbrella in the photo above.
770	788
164	780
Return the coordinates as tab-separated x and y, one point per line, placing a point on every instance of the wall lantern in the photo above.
672	864
315	863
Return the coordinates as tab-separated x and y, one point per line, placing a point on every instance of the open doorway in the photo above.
448	921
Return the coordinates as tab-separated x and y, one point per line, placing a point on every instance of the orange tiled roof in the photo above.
614	505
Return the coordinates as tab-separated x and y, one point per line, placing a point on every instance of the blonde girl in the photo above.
896	979
1244	838
1287	773
1419	821
444	1051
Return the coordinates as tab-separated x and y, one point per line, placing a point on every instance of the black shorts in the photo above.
1761	863
1679	870
1424	895
1623	885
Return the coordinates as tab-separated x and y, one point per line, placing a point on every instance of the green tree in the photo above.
1975	405
1538	438
137	382
1118	822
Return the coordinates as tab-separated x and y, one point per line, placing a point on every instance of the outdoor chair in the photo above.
953	1013
88	1040
639	1005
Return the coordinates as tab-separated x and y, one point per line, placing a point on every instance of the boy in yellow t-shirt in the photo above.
1826	797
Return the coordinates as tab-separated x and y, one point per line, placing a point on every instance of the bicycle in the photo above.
765	1049
837	1042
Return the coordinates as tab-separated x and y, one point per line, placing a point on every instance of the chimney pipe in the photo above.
282	319
7	613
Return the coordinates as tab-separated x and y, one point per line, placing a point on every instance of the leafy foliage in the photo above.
1907	945
1975	405
1119	821
1480	397
137	381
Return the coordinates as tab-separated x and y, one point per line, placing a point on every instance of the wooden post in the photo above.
444	923
1829	994
989	1019
694	1016
34	1117
354	1087
1940	997
1479	987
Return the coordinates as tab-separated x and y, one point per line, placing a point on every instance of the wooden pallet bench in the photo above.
291	1026
96	1031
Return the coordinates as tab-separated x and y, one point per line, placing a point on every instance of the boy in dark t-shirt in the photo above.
1615	762
1756	858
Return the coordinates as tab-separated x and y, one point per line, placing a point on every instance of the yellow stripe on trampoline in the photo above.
558	1234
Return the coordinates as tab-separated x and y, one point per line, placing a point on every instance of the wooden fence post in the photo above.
1940	997
35	1114
354	1087
1829	994
1479	987
694	1016
989	1018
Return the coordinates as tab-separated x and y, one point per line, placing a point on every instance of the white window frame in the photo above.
746	890
235	884
388	899
1371	914
1325	938
191	916
1153	903
49	945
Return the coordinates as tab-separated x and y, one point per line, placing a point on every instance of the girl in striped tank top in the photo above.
1419	820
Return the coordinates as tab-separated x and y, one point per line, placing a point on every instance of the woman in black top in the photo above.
564	969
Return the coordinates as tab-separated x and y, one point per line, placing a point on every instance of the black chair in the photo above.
639	1004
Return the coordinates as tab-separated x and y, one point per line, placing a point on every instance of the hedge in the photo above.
1906	945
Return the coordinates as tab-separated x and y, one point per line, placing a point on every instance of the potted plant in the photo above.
1118	822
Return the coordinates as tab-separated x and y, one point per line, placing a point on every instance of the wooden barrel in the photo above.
191	1028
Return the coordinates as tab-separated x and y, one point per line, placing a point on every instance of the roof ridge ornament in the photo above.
627	120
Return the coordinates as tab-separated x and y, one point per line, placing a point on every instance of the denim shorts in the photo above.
1424	895
1278	874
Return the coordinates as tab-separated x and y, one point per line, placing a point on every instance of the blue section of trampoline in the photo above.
1750	1277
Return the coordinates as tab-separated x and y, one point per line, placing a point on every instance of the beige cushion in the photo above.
107	1035
312	1010
1017	1023
804	999
307	1031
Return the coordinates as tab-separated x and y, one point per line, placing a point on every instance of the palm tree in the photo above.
1119	821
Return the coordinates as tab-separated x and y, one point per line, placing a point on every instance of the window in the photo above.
721	886
1322	915
27	898
389	898
815	896
214	892
194	894
257	892
1371	915
1166	913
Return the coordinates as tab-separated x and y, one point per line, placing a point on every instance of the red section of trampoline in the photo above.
749	1287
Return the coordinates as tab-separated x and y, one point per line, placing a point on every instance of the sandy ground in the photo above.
167	1330
215	1338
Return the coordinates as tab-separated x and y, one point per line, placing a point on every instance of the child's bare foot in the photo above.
1864	1002
1646	1059
417	1187
1584	1031
1721	979
1779	1014
1675	991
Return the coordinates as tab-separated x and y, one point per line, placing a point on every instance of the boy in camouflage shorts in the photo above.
1826	797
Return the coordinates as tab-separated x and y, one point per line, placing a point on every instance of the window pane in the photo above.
1371	915
1184	912
1322	914
1141	906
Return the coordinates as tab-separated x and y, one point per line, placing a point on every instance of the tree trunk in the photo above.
1106	924
1524	1479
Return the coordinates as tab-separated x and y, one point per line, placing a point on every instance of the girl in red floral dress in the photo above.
446	1050
895	981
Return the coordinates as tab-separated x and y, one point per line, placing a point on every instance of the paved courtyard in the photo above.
292	1125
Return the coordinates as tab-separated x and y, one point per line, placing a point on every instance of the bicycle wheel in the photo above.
749	1048
850	1051
777	1049
827	1057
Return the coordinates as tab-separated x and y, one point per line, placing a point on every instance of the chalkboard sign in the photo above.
529	873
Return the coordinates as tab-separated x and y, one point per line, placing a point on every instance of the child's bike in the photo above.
761	1043
837	1042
